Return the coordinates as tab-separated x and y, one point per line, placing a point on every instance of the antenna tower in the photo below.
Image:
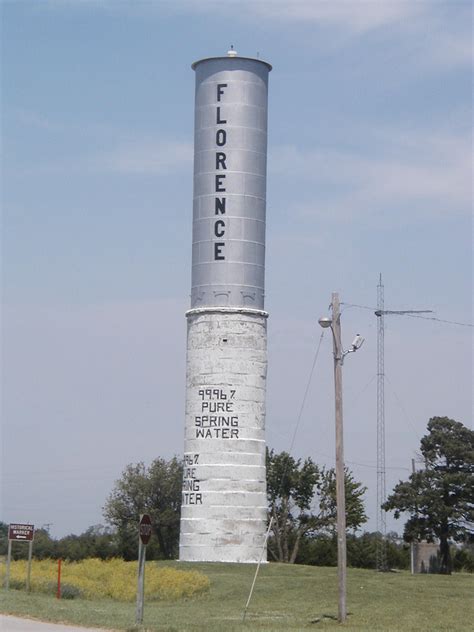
381	552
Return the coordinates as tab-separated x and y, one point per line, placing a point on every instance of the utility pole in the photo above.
381	551
339	354
340	487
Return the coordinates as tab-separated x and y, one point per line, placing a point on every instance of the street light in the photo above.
325	322
339	354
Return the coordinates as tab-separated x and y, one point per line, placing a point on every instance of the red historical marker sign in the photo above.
22	532
144	528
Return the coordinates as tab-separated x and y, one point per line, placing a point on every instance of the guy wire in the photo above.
267	535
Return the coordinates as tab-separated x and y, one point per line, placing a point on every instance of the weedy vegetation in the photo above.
109	579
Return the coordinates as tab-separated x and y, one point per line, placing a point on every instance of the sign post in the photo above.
9	558
58	592
20	533
144	532
30	557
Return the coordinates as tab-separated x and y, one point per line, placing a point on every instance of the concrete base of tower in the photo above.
224	504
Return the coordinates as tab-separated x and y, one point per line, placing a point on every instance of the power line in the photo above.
306	393
412	315
298	419
441	320
362	391
387	467
358	463
402	408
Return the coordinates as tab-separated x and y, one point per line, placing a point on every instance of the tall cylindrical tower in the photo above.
224	505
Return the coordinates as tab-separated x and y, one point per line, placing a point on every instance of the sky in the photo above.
369	173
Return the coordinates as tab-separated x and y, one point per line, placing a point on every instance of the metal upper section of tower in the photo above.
229	200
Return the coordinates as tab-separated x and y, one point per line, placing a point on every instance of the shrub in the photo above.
463	560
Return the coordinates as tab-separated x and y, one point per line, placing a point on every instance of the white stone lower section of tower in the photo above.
224	505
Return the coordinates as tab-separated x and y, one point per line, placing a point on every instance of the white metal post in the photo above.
141	582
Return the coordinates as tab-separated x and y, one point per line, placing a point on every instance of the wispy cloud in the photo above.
437	35
348	14
449	50
352	15
134	158
145	157
29	118
421	172
431	37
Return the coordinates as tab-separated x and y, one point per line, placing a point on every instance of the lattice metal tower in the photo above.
381	552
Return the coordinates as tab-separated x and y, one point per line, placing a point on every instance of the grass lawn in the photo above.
285	598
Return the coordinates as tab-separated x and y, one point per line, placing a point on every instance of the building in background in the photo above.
426	557
224	504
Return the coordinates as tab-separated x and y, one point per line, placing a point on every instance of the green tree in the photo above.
155	490
463	558
326	501
44	546
302	501
321	550
362	551
290	490
97	541
3	538
440	499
